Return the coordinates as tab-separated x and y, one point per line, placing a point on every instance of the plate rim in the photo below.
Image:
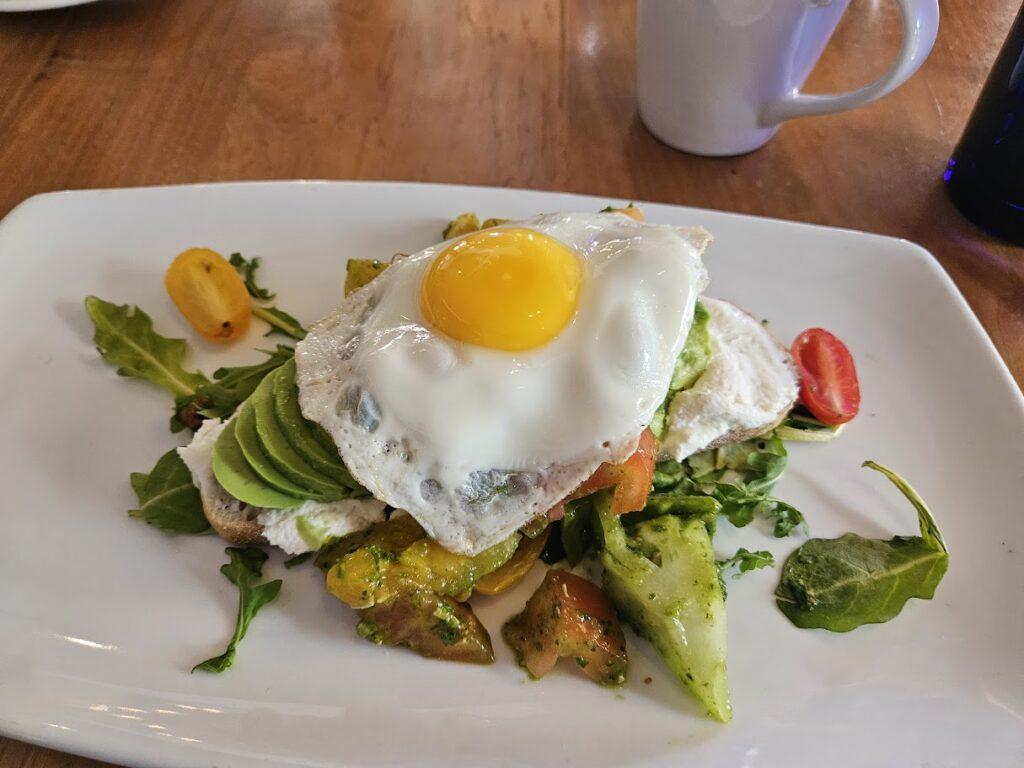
95	744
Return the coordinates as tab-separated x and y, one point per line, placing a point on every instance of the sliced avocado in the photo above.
234	473
280	452
249	441
307	438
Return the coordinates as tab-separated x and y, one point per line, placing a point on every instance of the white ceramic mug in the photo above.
718	77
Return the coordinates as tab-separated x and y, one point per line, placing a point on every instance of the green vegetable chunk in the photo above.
663	579
124	336
433	626
462	224
360	272
244	571
167	498
840	584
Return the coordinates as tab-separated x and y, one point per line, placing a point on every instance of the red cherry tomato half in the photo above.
828	377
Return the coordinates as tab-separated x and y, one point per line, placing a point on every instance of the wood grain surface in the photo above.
531	93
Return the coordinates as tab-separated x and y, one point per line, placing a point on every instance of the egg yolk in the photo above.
508	288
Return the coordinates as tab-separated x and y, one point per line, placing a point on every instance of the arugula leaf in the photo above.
229	388
744	561
840	584
740	477
244	570
124	336
280	322
167	498
247	268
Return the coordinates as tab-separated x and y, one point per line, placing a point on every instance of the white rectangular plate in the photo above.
101	617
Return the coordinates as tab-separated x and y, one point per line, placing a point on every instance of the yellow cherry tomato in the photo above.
512	572
209	293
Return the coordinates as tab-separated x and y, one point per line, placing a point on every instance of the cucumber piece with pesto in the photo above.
662	577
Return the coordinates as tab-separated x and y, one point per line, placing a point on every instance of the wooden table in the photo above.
532	93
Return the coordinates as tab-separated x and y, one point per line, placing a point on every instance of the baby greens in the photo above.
167	498
244	571
840	584
740	477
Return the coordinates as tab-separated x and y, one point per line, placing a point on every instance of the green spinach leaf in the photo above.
840	584
167	498
124	336
247	269
244	571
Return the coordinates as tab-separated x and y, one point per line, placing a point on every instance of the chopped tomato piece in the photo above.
828	378
569	616
631	479
434	626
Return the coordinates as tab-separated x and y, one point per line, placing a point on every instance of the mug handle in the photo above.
920	26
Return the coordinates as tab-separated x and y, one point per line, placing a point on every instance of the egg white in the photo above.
475	442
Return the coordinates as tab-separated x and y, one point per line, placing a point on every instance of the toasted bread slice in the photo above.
242	524
748	388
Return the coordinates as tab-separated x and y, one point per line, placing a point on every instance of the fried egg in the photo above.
749	385
476	383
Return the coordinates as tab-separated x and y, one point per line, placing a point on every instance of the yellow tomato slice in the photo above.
209	293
